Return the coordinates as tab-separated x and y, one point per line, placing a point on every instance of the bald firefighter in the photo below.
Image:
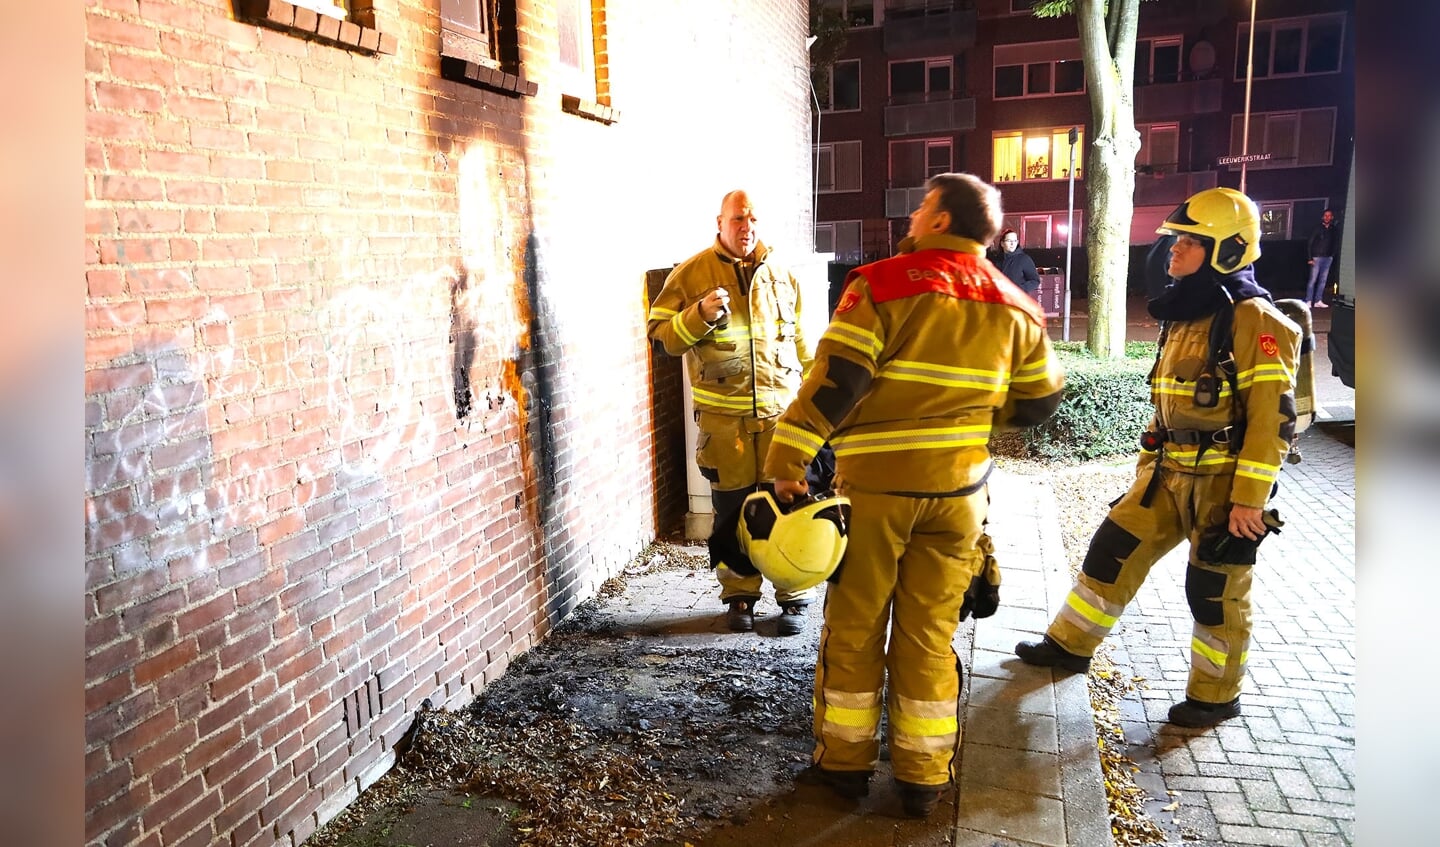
733	312
1223	391
928	353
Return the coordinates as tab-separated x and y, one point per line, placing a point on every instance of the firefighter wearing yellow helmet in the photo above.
1223	392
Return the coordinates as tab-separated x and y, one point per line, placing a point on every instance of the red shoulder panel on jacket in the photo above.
950	272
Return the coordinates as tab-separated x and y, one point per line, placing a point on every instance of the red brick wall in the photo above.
368	398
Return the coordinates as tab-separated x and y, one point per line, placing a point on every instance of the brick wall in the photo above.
368	398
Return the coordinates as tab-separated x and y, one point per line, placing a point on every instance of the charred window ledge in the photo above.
358	33
588	109
484	76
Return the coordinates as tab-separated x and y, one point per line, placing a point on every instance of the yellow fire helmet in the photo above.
1225	216
798	546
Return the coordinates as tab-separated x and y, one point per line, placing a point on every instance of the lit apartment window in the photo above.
1299	139
920	80
1038	69
1157	60
1037	154
841	238
1159	149
913	162
1292	47
857	13
839	167
843	94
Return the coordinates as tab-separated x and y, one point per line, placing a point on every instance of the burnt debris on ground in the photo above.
601	736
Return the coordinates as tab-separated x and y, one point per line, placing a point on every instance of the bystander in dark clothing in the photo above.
1017	264
1324	244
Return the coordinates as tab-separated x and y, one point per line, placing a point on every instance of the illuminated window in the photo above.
1037	154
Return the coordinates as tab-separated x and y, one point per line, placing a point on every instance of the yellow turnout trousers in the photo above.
1130	540
906	568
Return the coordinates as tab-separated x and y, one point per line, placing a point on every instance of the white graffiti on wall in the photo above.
376	357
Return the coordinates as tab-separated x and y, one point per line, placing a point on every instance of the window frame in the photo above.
877	11
829	147
828	107
1144	157
928	63
1150	45
834	229
1270	27
1023	224
1028	56
355	31
928	143
492	63
1277	163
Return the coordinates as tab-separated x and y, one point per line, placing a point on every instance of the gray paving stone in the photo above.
1230	808
1265	836
1263	795
1025	817
1009	728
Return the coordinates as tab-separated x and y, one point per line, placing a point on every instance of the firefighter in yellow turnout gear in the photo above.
927	353
734	314
1223	391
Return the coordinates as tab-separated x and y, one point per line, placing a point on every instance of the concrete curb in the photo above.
1030	769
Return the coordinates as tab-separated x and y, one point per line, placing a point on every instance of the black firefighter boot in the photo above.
1196	714
1046	653
740	617
792	619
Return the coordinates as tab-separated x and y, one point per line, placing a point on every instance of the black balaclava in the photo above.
1198	294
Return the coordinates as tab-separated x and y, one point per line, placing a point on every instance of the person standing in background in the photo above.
1324	242
1017	264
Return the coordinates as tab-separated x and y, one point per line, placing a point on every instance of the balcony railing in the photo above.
922	27
940	111
1160	185
1160	101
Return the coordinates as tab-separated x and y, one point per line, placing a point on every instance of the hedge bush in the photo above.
1105	407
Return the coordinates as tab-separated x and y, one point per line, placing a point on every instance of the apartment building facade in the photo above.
926	86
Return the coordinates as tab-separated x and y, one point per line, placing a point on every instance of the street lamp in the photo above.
1069	228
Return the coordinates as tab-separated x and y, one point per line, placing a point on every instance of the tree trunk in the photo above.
1107	41
1110	187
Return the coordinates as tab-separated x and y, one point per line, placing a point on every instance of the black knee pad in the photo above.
1111	545
1203	590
